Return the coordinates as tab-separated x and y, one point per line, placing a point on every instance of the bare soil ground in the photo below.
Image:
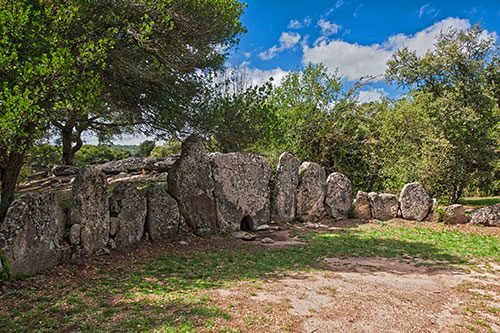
356	277
369	295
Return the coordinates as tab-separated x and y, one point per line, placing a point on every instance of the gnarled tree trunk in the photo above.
9	171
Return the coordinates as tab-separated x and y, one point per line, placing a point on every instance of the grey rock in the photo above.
311	191
127	165
163	218
112	244
362	206
263	227
113	225
284	188
31	236
415	202
338	200
267	240
183	243
455	214
191	184
128	204
148	164
243	235
74	234
90	209
65	170
310	225
165	164
489	216
241	190
383	206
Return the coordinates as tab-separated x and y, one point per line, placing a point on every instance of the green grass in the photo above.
171	293
480	202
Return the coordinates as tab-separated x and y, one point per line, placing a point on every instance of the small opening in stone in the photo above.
246	223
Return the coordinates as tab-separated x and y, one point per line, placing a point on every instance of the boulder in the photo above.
163	219
489	216
165	164
454	214
191	184
65	170
241	190
415	202
31	236
74	234
127	165
362	206
128	205
284	185
338	200
90	209
148	164
383	206
311	191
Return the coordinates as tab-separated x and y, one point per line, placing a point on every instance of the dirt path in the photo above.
368	295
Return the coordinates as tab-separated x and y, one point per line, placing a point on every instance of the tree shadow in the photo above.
170	292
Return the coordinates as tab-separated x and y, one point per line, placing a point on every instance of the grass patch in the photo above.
172	293
480	202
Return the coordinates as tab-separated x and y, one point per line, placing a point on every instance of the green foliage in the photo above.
145	148
90	154
456	98
170	147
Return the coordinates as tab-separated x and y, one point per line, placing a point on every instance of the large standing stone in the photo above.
128	205
454	214
163	218
311	191
489	216
90	209
338	200
31	236
284	188
362	206
241	190
384	206
415	202
191	184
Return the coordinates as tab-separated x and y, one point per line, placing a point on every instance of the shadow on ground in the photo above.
137	291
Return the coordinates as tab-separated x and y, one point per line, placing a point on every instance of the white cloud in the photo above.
355	61
294	24
328	28
247	54
371	95
287	41
256	76
427	10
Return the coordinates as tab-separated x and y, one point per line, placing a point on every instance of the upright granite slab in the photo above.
338	200
163	220
191	184
31	236
90	209
361	206
284	185
415	202
311	191
384	206
241	190
128	207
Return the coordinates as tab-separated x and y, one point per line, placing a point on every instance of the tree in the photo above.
37	80
153	67
320	122
101	65
461	78
145	148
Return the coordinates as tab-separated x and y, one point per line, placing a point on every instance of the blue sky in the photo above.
355	37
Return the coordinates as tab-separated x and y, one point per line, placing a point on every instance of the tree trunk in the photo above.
8	177
68	150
